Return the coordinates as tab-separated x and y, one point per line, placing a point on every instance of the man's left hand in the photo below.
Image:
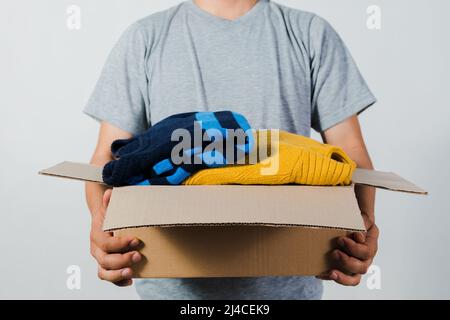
354	255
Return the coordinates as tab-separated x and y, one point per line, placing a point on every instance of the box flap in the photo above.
75	170
288	205
385	180
379	179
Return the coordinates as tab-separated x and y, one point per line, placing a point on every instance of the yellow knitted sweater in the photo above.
295	159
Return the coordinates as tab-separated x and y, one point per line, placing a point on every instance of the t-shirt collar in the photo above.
258	7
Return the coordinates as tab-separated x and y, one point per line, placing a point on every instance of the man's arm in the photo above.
114	255
356	251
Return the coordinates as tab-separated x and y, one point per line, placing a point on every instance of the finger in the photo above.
349	264
98	218
325	276
372	240
121	244
118	261
124	283
115	275
106	198
358	237
97	228
329	275
372	234
354	249
96	238
111	244
368	221
345	279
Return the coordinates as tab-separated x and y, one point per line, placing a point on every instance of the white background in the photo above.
47	73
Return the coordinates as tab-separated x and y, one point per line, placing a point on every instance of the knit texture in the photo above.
146	159
301	160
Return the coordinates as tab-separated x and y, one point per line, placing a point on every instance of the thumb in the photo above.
106	198
368	222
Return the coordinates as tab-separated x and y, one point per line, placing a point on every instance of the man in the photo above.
281	68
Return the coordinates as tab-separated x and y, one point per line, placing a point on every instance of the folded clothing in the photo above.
300	160
146	158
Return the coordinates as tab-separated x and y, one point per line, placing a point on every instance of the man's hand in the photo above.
354	256
114	255
355	252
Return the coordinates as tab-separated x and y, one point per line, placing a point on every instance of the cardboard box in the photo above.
232	230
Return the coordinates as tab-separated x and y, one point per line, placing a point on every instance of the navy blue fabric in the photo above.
145	159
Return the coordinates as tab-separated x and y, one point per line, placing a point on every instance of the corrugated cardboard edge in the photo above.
309	226
385	180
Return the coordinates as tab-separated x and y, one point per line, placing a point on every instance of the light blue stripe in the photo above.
144	183
209	158
162	166
178	177
193	151
209	121
243	123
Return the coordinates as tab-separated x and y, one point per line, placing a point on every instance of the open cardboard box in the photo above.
232	230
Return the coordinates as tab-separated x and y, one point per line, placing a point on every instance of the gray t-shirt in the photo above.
280	67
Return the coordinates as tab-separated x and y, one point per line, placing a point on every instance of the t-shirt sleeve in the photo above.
120	96
338	89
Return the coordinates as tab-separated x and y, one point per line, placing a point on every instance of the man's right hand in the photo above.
114	255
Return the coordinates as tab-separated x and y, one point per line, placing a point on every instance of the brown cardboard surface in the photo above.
385	180
136	206
230	231
75	170
232	251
